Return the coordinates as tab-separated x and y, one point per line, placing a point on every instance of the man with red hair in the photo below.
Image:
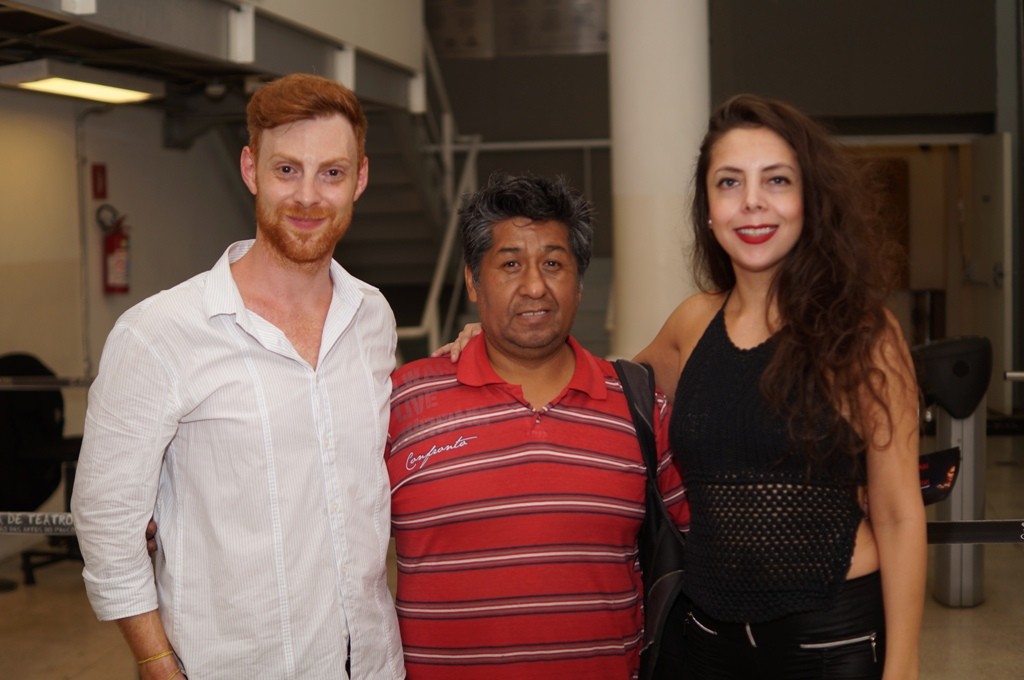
246	411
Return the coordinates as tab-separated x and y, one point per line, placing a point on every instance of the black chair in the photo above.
34	454
953	374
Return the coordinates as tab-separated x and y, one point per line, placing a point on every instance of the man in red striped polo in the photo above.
517	479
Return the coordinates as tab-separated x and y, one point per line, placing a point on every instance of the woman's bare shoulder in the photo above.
671	348
689	320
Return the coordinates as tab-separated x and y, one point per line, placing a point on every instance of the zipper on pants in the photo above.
871	637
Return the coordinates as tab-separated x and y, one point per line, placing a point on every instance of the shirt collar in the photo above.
221	295
475	369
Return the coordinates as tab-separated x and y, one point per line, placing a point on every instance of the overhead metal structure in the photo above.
211	54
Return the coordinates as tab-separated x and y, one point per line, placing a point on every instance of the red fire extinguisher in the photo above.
115	249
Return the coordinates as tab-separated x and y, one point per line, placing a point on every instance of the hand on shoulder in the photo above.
455	347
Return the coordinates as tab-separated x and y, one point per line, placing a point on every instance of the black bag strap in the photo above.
638	386
660	542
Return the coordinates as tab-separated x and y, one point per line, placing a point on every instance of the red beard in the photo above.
296	246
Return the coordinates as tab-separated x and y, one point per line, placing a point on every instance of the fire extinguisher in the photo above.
115	249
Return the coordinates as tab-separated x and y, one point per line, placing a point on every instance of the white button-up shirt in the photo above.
266	478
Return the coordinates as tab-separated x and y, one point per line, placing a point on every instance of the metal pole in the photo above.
959	569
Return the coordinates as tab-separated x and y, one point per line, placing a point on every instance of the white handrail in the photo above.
429	326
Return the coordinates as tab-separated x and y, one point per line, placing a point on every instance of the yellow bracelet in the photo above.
156	656
174	674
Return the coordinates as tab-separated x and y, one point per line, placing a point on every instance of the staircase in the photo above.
398	223
398	226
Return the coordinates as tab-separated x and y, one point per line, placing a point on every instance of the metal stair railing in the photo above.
439	126
430	326
440	121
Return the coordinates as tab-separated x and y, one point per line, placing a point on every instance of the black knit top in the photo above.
769	535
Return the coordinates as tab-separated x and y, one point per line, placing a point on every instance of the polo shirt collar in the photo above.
475	370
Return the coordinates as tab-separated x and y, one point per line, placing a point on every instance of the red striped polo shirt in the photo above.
516	530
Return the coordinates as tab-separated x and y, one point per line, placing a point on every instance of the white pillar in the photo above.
660	94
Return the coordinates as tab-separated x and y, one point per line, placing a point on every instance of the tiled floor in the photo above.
48	632
985	642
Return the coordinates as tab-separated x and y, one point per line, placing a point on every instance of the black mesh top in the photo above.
768	536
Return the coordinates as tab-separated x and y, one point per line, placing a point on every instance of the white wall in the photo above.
981	227
184	208
39	231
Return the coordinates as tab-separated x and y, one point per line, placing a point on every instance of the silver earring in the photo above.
709	224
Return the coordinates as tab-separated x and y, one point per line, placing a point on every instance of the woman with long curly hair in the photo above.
795	417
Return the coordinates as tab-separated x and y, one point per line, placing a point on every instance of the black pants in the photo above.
846	642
